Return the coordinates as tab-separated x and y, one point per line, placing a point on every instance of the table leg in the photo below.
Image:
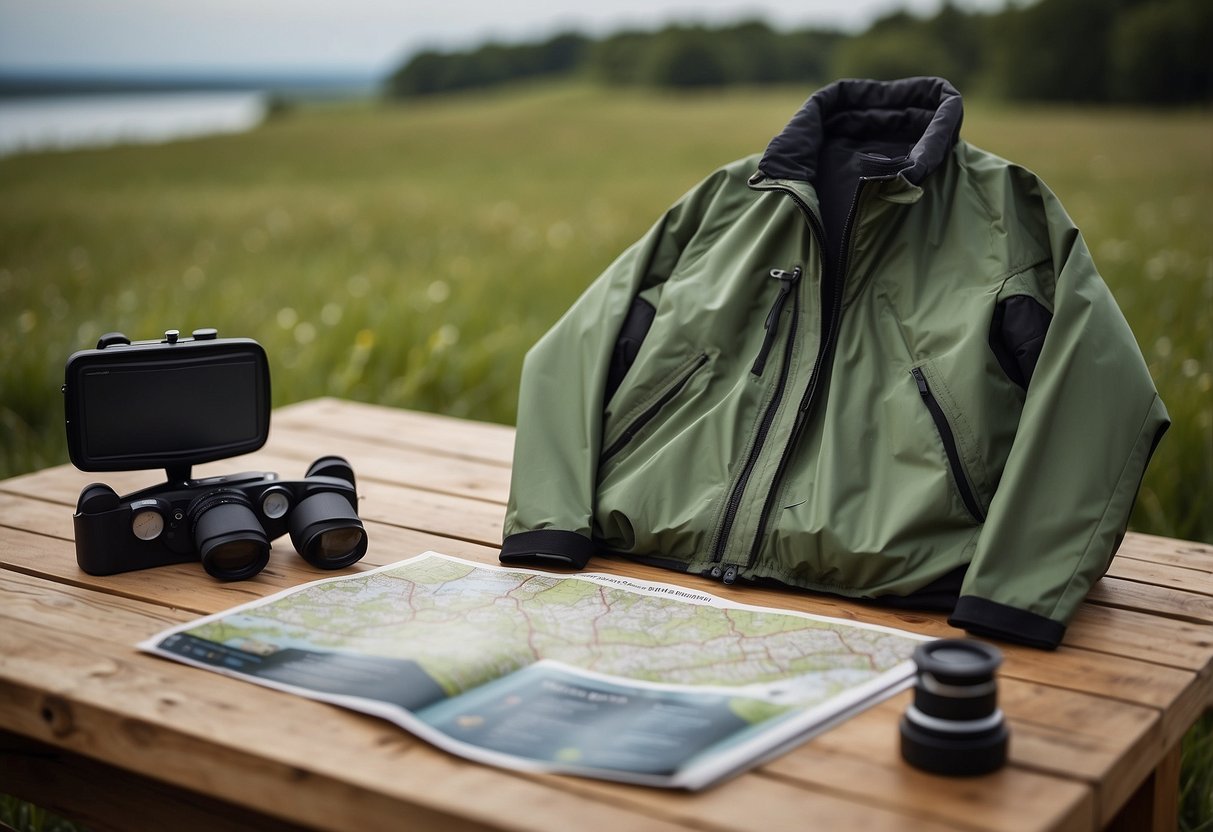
1155	804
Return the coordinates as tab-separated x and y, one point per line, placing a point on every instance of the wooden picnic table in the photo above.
119	739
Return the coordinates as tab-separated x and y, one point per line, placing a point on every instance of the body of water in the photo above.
63	122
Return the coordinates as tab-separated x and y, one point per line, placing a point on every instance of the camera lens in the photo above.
954	726
326	530
231	543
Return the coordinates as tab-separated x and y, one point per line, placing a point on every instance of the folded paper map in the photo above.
588	674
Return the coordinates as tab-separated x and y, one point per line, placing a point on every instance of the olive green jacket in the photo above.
875	361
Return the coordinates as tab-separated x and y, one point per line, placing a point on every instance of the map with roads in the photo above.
591	673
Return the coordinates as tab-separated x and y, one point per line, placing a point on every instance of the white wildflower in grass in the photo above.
330	315
446	336
438	292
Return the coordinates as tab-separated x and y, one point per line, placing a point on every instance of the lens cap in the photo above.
955	726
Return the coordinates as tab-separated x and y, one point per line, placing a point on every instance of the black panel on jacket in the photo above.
1017	334
627	345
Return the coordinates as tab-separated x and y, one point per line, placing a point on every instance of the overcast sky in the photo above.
358	35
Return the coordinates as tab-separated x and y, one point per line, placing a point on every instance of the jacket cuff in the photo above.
983	617
547	547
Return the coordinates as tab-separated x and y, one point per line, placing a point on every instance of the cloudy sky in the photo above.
356	35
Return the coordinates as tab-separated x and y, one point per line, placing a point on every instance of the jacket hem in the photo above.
983	617
547	547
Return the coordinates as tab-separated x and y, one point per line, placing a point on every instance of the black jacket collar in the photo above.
925	111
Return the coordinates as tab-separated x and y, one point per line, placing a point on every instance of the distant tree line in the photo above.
1130	51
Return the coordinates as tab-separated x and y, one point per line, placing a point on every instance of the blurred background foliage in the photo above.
410	255
1120	51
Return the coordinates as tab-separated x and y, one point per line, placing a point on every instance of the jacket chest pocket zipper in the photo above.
650	413
951	449
787	282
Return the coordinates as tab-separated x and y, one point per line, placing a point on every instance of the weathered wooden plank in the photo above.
1162	574
404	466
187	587
289	457
1152	638
1155	600
758	801
1100	740
432	432
1166	550
861	757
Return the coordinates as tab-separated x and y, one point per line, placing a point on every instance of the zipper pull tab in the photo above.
787	281
730	574
921	381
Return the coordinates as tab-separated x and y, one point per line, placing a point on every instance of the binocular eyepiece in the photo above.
226	523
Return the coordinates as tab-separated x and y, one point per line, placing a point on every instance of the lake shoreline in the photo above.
69	122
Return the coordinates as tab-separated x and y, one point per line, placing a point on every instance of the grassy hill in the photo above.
410	255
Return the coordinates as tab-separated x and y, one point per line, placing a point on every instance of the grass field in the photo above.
410	255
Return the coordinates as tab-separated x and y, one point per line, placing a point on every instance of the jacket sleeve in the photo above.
1090	421
549	518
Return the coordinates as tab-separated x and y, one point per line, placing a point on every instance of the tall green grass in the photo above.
409	255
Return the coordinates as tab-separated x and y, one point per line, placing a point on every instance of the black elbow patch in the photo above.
1017	334
627	344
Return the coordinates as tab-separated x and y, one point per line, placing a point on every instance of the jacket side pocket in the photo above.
951	449
649	409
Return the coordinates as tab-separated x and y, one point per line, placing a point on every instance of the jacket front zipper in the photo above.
764	427
949	445
829	335
829	329
650	413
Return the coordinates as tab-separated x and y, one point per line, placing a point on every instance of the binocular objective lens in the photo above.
327	532
230	541
234	556
337	543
